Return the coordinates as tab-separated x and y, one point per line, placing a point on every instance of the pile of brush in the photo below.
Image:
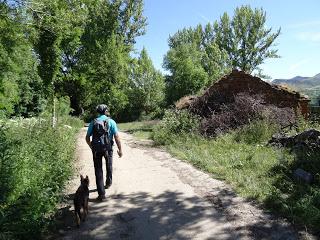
219	115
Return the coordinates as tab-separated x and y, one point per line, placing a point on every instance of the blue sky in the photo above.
298	44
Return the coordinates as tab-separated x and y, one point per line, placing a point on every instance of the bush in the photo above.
174	122
35	163
257	132
62	108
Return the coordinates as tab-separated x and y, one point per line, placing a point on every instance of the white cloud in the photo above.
298	65
309	36
203	17
314	23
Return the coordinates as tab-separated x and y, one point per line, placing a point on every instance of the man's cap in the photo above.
102	108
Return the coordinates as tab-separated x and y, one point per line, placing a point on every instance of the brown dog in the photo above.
81	199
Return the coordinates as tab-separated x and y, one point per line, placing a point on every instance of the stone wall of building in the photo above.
230	85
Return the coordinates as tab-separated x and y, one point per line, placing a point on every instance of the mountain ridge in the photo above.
309	86
300	81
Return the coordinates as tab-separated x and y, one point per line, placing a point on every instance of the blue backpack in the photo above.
100	136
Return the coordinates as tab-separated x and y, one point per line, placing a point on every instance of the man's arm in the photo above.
89	132
88	140
117	138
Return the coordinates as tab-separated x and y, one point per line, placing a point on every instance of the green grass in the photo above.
256	172
140	130
246	167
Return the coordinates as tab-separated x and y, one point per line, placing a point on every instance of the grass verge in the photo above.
35	163
255	171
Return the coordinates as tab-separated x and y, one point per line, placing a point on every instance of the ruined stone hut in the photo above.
224	90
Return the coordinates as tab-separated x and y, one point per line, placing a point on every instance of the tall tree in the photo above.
69	82
146	88
104	57
57	34
188	75
20	85
194	61
246	38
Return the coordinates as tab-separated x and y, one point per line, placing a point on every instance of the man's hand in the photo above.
117	138
119	153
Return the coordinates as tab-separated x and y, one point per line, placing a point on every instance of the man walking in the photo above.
103	130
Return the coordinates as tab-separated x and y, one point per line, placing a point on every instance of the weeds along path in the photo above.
155	196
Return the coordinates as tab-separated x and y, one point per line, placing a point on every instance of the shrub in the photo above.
257	132
62	108
174	122
35	163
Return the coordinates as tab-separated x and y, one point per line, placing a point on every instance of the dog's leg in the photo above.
77	213
83	218
86	207
85	210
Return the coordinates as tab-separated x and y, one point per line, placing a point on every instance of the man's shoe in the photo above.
108	185
100	198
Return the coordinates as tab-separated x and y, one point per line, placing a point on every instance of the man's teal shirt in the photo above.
113	129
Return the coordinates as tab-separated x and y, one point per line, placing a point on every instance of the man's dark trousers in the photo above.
97	160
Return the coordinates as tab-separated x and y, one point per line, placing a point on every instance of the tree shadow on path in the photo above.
170	215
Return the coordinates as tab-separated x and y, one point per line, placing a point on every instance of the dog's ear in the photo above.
81	177
87	178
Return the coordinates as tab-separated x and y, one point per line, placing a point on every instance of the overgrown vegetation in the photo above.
35	163
244	159
242	110
173	124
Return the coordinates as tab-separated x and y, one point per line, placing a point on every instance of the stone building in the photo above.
224	90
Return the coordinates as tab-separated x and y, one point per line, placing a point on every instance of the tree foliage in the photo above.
188	75
146	89
104	57
246	38
20	84
78	48
194	60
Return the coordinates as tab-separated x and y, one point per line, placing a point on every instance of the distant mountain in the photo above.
299	82
309	86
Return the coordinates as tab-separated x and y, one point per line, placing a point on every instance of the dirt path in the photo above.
155	196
